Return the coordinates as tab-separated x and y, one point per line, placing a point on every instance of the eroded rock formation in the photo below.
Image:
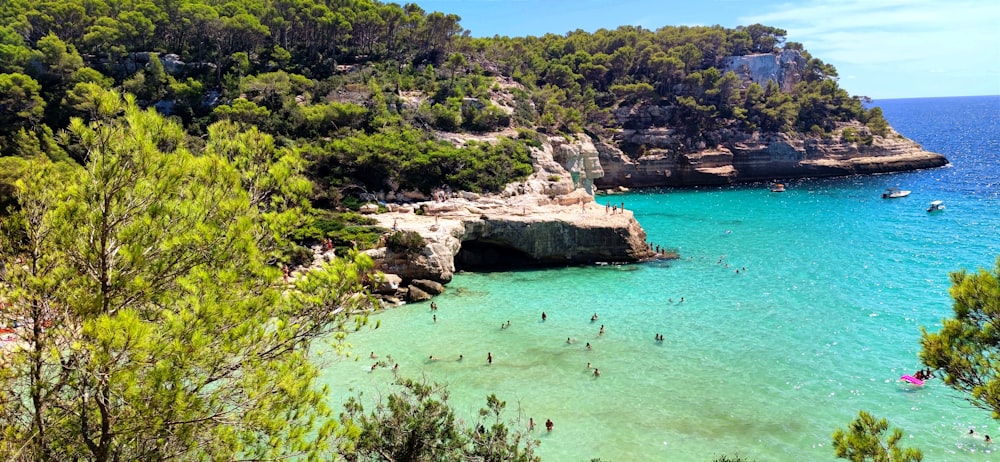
549	219
663	159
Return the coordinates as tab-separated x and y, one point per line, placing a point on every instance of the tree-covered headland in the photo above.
357	87
161	159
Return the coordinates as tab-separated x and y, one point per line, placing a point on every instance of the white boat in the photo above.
936	206
778	187
893	193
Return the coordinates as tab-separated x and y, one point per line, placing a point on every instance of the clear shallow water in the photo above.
765	363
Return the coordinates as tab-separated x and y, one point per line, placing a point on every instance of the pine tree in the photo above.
150	325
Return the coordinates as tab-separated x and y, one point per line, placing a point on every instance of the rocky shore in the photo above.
740	157
552	218
494	232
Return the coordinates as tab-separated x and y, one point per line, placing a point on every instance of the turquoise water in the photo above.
821	320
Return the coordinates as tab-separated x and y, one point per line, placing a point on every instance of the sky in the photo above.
882	49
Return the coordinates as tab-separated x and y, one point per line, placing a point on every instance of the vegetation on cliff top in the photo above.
358	86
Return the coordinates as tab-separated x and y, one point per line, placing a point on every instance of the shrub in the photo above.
850	135
405	241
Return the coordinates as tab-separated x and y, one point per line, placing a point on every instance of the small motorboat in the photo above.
894	193
935	206
778	187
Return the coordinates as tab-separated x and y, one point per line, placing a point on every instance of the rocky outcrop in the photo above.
530	230
665	160
785	68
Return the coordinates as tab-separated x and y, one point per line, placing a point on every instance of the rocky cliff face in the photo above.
784	68
529	230
732	156
650	150
550	219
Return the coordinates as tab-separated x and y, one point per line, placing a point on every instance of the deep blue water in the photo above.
821	320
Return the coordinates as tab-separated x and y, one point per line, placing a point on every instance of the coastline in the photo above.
522	231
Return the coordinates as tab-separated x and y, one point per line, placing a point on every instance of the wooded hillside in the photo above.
357	87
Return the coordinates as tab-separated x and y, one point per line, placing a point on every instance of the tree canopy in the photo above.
153	325
320	75
967	348
866	440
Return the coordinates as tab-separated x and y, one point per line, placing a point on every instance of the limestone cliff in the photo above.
785	68
549	219
517	231
745	157
653	148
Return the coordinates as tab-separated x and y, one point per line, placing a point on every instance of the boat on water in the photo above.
935	206
894	193
778	187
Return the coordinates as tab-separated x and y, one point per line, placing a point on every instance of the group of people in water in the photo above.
973	433
924	374
594	371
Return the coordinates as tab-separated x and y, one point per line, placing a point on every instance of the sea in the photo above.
785	315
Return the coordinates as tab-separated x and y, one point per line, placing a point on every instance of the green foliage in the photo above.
414	161
146	267
406	242
865	440
20	98
345	230
876	121
850	135
418	424
967	348
333	78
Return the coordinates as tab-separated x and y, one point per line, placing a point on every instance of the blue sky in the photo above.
881	48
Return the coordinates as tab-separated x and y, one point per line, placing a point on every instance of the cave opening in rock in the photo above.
483	256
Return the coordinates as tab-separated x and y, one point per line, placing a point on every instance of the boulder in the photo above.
415	294
431	287
369	209
414	196
388	284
